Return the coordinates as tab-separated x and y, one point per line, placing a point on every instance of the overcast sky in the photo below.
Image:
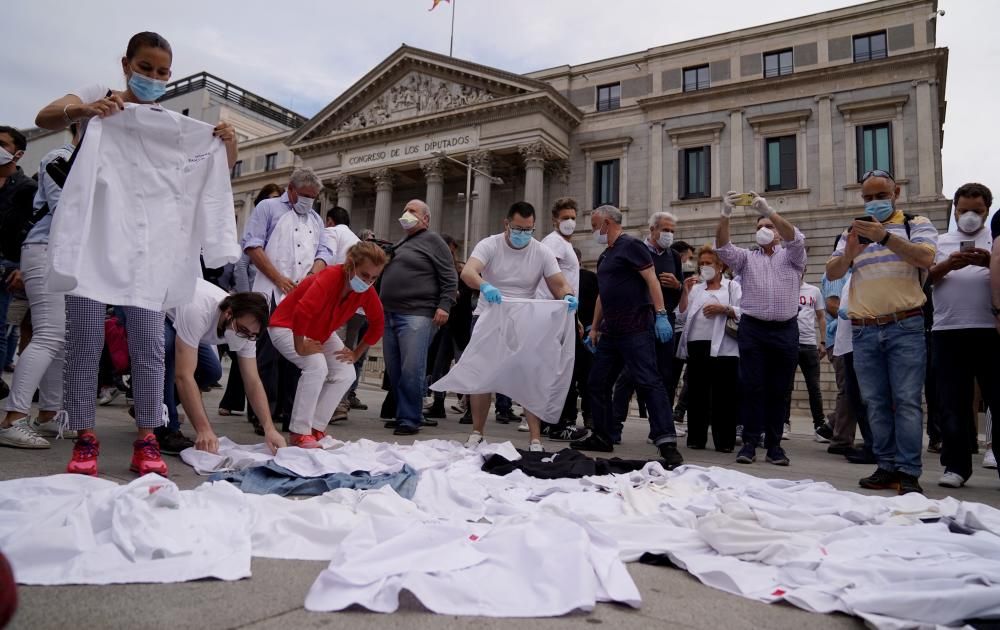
303	54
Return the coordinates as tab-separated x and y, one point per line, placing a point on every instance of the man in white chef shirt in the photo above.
965	340
213	318
812	348
512	264
286	240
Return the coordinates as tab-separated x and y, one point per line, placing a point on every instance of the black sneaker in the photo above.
908	484
429	421
776	455
568	434
466	417
172	442
592	443
670	456
505	417
839	449
390	424
882	479
934	447
747	454
824	434
356	403
405	430
436	410
678	416
860	456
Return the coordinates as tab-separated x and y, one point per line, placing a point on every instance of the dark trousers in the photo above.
808	362
444	350
711	400
582	363
625	386
235	396
963	358
854	401
637	352
280	378
208	370
769	352
842	421
934	433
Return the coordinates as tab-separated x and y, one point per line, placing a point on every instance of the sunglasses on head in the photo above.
877	173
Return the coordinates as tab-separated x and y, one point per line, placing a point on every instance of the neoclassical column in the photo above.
434	174
480	221
655	166
534	175
925	142
736	150
345	191
826	182
383	202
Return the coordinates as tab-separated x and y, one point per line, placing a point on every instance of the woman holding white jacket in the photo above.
709	301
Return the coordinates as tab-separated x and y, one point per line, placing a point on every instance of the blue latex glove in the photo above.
589	346
491	293
664	331
572	301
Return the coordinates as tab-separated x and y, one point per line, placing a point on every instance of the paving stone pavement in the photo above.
273	597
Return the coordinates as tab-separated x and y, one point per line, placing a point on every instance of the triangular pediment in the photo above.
412	84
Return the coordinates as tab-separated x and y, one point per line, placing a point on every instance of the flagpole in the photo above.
451	42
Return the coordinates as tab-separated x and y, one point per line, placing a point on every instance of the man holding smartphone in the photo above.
965	340
885	308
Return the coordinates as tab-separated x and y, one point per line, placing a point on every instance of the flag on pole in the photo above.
436	3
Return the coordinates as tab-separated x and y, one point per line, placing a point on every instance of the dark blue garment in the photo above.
274	479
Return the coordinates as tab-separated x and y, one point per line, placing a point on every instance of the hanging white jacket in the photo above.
148	194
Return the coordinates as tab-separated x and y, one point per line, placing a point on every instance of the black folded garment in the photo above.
565	464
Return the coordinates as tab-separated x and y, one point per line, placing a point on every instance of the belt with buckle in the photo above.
882	320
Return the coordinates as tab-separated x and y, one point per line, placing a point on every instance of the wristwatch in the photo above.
662	311
885	239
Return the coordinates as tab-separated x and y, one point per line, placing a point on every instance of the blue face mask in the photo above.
358	285
519	240
146	89
879	209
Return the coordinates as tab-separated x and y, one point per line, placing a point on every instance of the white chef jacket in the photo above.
148	194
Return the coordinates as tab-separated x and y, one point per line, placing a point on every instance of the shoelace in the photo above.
62	418
150	450
85	449
25	429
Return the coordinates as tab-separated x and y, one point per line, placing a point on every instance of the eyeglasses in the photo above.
245	332
877	173
517	230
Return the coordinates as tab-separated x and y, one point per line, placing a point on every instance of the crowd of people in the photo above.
903	314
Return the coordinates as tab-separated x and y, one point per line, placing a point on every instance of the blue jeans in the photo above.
890	362
637	352
405	344
208	371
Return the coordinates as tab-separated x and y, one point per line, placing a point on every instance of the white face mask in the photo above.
409	220
600	239
234	341
708	273
304	205
689	266
5	158
765	236
665	240
970	222
567	227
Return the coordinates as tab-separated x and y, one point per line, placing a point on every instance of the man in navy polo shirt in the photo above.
625	332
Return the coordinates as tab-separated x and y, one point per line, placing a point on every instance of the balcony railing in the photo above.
235	95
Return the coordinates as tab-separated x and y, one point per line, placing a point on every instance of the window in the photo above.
874	148
778	63
695	172
270	161
237	169
696	78
870	46
609	97
606	182
781	162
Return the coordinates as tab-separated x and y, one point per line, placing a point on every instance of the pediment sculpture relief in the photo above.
414	95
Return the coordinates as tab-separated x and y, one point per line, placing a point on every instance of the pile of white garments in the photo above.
555	546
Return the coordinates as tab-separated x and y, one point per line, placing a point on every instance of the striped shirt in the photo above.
883	282
770	283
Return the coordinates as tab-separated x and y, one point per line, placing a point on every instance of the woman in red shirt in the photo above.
303	330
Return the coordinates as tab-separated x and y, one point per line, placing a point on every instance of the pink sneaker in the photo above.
318	435
146	457
303	441
86	448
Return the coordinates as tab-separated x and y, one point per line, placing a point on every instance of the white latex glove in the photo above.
728	202
760	205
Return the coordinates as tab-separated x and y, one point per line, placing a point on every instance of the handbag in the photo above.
732	326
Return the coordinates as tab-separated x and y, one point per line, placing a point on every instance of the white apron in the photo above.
292	250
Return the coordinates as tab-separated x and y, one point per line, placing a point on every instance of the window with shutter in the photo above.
695	172
606	182
782	163
874	148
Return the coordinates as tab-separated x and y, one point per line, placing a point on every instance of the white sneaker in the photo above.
951	480
475	439
50	428
107	395
989	459
680	431
536	446
523	427
787	433
20	435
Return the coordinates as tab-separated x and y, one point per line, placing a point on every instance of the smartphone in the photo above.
967	246
861	239
746	199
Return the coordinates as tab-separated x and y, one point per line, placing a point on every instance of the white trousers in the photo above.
323	383
41	364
